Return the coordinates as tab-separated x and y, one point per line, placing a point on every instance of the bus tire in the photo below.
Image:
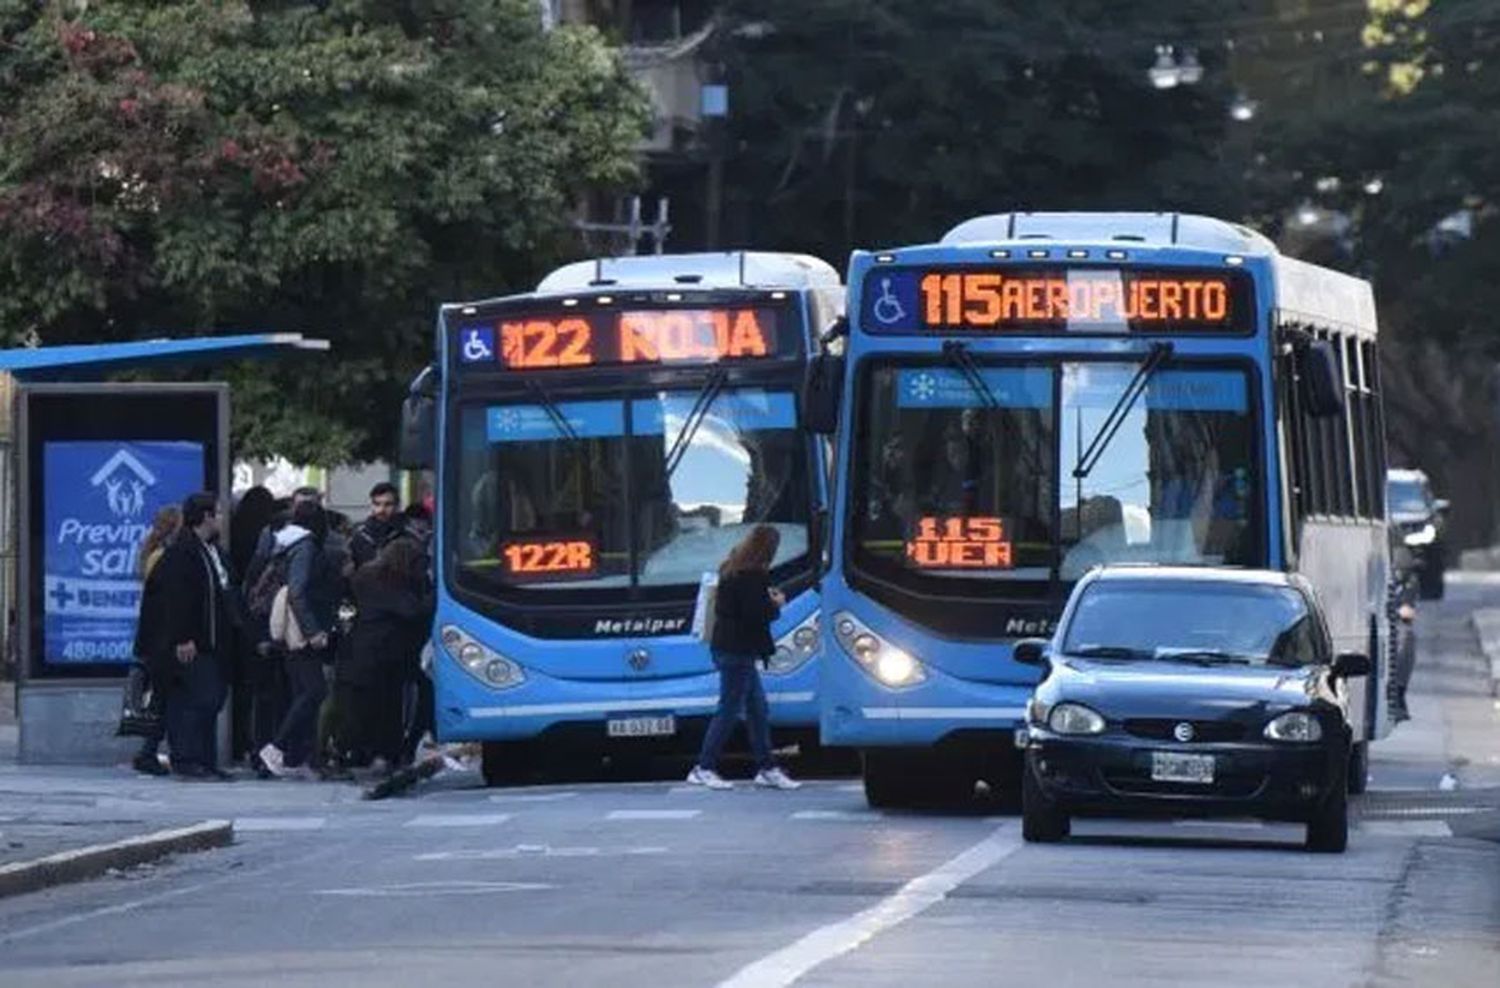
889	778
1042	820
1359	767
505	763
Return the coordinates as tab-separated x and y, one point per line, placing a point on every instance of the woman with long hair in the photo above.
394	608
148	648
745	604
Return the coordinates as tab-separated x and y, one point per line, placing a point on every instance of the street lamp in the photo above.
1164	74
1243	108
1189	70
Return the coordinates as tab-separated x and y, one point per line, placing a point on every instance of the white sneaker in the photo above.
775	778
708	778
275	762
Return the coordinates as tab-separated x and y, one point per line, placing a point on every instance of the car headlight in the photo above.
479	660
1075	718
794	648
1425	535
889	665
1295	726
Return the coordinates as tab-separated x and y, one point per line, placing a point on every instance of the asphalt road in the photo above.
653	883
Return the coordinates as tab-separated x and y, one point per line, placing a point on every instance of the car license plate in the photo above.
1172	766
641	727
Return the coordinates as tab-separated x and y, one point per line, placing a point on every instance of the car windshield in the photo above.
1407	497
1193	620
583	495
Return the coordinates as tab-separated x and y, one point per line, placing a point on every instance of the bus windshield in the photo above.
967	481
583	497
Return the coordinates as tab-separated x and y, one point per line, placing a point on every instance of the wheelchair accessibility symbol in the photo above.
888	309
478	345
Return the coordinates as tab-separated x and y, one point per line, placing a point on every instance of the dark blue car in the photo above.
1179	691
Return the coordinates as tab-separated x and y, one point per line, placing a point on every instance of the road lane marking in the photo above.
1406	828
537	797
458	820
838	815
652	814
537	851
411	889
787	965
851	787
270	824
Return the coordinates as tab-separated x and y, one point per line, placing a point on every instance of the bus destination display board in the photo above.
526	558
959	543
1046	300
576	338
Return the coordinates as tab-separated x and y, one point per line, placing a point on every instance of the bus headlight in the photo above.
794	648
480	661
887	664
1425	535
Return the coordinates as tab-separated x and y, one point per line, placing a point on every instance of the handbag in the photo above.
140	709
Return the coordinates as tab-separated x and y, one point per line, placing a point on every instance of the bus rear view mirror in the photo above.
1322	387
821	389
418	440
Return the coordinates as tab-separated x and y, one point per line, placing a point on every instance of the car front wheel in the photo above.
1328	829
1042	821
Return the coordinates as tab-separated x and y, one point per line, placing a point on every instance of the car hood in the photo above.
1175	689
1410	519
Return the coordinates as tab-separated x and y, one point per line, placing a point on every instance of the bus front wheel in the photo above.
889	778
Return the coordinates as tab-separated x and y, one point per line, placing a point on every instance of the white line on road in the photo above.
536	797
255	824
437	888
537	851
785	966
1407	828
652	814
851	787
458	820
837	815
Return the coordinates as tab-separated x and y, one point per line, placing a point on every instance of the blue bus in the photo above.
601	443
1041	393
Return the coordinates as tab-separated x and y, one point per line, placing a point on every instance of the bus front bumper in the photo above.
858	712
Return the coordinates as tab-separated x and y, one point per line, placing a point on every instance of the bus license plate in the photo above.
642	727
1172	766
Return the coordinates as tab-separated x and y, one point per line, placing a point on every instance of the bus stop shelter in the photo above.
93	456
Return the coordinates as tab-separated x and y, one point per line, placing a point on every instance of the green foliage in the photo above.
913	115
181	166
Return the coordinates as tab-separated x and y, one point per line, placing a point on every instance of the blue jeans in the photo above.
193	701
740	694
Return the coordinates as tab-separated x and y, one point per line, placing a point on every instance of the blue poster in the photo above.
100	499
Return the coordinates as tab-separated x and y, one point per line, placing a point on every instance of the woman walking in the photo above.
313	584
150	651
394	608
744	606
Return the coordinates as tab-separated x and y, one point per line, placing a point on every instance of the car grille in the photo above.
1223	787
1204	731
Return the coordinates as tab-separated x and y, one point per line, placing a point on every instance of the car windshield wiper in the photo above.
1109	652
1094	452
1204	656
695	416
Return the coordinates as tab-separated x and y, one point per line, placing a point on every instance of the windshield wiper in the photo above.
1109	652
1091	456
554	413
695	416
1203	656
957	354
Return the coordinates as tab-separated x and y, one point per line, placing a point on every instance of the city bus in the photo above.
1041	393
602	443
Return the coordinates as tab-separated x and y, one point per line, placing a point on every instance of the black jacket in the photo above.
743	612
372	535
193	607
390	626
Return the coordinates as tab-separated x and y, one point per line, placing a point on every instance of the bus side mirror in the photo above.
1322	389
1031	651
1351	664
418	441
822	388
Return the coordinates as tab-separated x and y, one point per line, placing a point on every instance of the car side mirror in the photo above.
1031	651
1351	664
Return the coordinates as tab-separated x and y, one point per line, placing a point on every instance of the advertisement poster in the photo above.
100	499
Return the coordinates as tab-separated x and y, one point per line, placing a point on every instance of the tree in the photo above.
338	168
875	122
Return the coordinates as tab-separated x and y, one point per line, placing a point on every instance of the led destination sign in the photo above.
959	543
573	339
1080	299
545	557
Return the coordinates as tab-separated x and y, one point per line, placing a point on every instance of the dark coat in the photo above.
371	536
743	612
390	626
192	605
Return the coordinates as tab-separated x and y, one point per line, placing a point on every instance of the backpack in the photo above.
261	597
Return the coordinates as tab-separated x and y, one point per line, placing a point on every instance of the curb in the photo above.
90	862
1486	623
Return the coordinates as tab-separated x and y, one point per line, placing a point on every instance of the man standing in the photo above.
385	525
196	621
